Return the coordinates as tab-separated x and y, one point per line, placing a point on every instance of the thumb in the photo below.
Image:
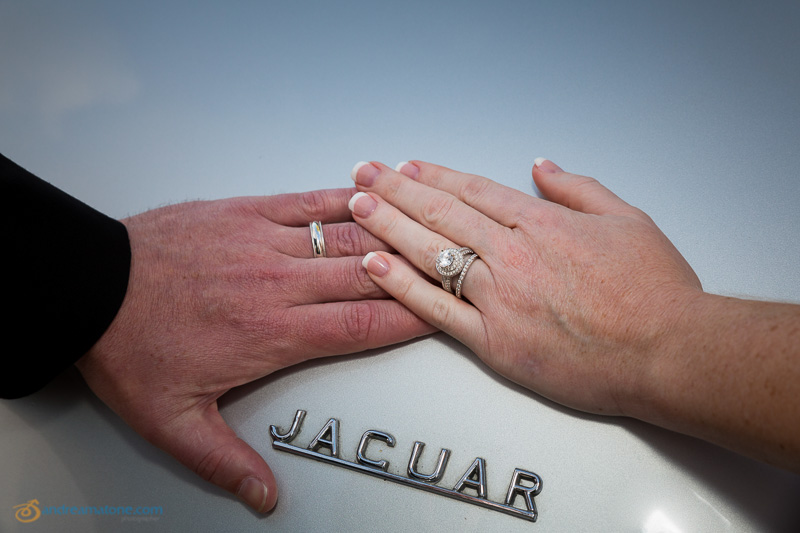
579	193
203	442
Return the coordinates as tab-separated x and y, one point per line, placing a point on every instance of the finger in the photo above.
299	209
314	281
351	327
437	307
579	193
502	204
437	210
413	241
203	442
341	240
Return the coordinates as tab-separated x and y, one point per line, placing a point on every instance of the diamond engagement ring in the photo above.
450	263
317	240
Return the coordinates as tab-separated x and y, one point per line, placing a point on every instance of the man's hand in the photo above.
222	293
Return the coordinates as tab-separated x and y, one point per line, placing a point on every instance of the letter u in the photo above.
437	474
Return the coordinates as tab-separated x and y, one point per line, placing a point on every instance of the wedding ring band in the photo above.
450	263
471	259
317	239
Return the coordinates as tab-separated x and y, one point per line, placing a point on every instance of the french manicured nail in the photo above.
375	264
408	169
362	204
545	165
364	173
254	493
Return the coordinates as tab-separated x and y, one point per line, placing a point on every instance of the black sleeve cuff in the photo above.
65	270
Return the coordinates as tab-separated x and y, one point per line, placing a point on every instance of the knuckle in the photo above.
346	239
403	287
436	209
387	225
473	190
520	257
585	181
640	215
585	185
441	174
215	463
361	280
357	320
314	204
442	313
391	187
438	172
358	278
430	251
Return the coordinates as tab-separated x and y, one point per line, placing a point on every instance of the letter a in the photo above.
328	437
474	478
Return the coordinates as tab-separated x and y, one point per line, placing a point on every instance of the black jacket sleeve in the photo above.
64	271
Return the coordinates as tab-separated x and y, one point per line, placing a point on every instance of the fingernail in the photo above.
407	169
364	173
375	264
362	204
253	492
545	165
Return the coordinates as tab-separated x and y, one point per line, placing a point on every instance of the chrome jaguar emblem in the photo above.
523	482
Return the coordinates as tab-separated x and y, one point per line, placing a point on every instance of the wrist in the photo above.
727	372
665	357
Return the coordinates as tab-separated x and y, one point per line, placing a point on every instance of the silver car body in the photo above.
688	110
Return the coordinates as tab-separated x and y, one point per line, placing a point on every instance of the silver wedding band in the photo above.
453	262
471	259
317	239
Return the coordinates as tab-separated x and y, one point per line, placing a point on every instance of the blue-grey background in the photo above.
687	109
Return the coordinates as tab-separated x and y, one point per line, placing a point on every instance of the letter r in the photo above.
528	492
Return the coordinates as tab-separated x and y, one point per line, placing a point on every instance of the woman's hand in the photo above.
222	293
581	298
570	297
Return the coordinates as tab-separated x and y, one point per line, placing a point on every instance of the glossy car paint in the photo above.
688	110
